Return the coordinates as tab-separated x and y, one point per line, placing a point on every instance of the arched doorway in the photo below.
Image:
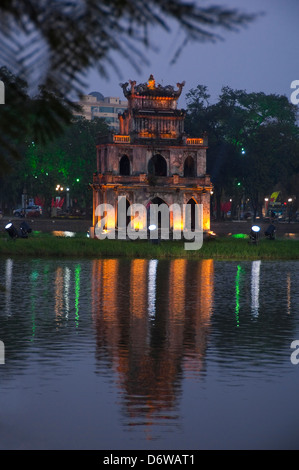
189	167
157	166
124	166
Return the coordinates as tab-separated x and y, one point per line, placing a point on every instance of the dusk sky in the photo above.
261	57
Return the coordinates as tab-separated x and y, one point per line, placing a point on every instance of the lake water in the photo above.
148	354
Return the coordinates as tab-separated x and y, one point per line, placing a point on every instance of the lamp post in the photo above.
290	200
67	199
24	199
254	234
59	189
266	206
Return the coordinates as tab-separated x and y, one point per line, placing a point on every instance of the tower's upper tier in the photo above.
151	96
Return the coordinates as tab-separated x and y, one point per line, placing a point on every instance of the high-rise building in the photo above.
96	105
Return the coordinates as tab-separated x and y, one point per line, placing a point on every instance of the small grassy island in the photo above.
39	245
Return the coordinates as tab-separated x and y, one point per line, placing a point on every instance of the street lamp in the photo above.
67	198
254	234
266	206
290	200
11	230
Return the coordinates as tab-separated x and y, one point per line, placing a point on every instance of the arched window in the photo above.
157	166
189	167
124	166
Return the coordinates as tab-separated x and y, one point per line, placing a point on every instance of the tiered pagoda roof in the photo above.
151	90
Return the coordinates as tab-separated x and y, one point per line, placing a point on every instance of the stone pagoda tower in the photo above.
151	160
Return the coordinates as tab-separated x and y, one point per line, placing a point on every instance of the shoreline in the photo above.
79	225
222	248
48	240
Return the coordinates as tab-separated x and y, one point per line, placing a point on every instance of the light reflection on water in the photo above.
118	353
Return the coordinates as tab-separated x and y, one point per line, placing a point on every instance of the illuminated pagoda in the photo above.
151	160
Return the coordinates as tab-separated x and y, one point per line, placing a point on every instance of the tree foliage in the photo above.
253	142
68	160
43	117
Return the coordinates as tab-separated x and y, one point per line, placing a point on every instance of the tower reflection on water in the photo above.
152	321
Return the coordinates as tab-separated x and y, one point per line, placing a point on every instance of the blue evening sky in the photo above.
260	57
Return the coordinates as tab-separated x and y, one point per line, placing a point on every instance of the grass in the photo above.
227	248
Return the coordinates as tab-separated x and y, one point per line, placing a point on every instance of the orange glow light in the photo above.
151	83
122	138
168	136
139	221
206	222
146	134
194	141
178	225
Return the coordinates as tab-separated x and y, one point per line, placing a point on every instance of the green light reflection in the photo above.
77	293
237	309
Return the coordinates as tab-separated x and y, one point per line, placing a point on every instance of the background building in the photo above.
108	108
